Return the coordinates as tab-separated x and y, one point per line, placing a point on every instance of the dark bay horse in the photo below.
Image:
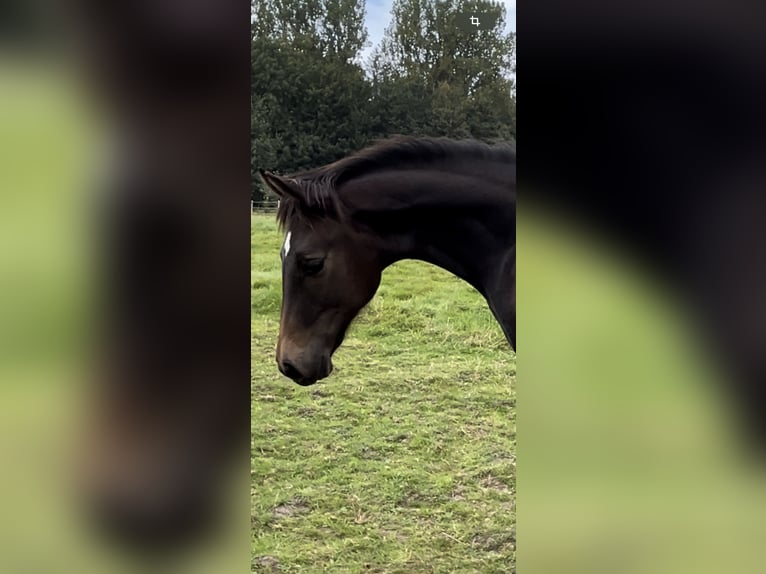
452	204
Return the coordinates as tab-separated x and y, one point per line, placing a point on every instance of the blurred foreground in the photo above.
124	335
631	452
48	305
642	274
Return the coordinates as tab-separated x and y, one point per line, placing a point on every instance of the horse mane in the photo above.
320	185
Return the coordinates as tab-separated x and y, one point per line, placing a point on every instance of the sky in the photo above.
379	15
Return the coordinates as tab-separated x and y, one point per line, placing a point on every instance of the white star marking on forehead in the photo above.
287	243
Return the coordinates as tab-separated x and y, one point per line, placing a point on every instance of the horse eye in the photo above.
311	266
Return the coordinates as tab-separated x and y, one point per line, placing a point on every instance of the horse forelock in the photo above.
318	199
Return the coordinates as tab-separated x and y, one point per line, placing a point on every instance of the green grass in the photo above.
404	459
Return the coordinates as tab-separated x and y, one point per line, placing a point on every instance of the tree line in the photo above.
314	98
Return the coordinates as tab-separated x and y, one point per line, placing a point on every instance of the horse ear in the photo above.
282	186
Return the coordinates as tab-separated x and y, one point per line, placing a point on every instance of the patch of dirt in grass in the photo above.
290	508
265	564
305	412
491	482
394	535
494	542
474	432
367	453
415	499
401	437
457	493
504	457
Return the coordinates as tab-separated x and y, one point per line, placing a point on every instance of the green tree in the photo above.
309	95
462	79
313	103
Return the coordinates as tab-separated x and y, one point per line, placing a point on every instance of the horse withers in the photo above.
449	203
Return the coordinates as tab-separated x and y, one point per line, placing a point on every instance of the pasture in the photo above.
404	459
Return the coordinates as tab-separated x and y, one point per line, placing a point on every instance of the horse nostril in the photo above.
289	370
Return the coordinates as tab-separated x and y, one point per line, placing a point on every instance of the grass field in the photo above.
404	459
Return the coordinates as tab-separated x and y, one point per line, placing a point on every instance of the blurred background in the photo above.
641	287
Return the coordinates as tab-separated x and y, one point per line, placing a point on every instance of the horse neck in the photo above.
461	226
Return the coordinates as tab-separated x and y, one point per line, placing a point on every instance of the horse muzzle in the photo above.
303	372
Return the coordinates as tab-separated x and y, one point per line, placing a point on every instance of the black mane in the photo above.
319	185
